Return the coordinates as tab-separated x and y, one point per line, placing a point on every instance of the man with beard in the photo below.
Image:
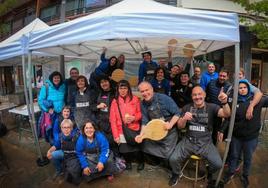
213	89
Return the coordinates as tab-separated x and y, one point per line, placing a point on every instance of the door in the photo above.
256	71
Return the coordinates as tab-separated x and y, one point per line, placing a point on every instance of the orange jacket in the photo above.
126	107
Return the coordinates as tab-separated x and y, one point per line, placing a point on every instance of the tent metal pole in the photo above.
31	115
25	84
234	103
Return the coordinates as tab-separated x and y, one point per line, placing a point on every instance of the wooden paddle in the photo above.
155	130
188	50
133	81
172	43
117	75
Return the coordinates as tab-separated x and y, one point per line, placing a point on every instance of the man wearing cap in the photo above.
210	74
147	67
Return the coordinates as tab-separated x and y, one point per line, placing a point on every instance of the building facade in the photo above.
254	60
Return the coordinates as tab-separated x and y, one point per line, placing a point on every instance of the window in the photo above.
95	3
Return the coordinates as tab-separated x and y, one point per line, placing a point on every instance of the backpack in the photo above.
3	129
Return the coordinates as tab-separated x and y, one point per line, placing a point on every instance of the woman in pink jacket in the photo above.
129	106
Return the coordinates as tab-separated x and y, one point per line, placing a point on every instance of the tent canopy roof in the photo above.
12	47
132	26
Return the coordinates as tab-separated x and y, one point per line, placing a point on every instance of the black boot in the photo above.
173	180
244	180
128	166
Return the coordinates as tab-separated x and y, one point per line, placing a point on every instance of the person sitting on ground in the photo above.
147	67
158	106
159	82
198	118
210	74
93	152
62	153
106	68
245	133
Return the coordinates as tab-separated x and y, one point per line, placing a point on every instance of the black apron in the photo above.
72	167
103	114
150	68
162	148
198	130
92	155
159	89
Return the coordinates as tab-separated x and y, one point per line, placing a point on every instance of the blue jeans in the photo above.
57	158
247	148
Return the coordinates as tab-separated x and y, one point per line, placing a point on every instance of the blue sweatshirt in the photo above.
57	138
206	77
100	141
163	84
102	69
142	69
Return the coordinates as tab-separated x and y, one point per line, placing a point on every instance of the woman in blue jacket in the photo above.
51	96
51	102
92	149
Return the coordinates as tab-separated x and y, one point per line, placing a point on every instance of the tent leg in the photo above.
41	161
231	125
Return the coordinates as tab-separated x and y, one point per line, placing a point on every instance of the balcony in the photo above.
79	8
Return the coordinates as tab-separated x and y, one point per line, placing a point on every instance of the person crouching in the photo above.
62	153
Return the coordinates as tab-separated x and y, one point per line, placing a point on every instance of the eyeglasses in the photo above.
66	127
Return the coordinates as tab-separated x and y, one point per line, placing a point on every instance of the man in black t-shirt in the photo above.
198	119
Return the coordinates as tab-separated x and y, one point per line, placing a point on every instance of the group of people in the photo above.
88	137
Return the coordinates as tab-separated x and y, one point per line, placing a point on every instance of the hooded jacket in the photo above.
248	129
55	95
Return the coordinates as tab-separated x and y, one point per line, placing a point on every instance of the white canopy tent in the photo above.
12	46
133	26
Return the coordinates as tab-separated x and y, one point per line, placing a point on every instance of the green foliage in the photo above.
5	7
260	12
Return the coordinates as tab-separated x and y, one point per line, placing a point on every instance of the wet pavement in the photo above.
24	173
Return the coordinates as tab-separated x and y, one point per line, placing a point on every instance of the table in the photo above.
23	115
22	110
